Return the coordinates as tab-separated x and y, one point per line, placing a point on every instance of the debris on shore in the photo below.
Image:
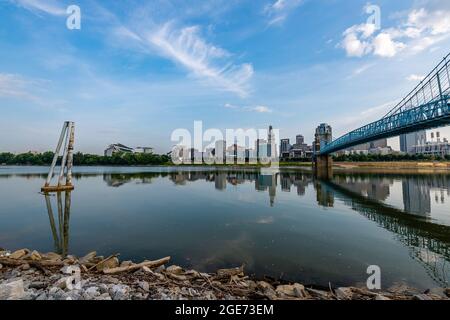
31	275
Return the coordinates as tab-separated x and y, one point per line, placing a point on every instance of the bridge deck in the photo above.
427	106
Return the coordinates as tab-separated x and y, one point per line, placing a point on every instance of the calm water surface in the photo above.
281	224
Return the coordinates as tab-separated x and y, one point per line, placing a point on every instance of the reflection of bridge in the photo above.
426	106
429	243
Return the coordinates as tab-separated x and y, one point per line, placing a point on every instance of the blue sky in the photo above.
138	70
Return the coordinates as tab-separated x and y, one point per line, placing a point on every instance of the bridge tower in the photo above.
323	164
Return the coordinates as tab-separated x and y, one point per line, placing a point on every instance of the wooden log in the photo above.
148	264
19	262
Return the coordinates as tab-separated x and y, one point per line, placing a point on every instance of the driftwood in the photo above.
41	263
104	260
148	264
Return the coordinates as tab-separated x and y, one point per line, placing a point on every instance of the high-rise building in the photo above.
285	147
409	141
323	136
220	151
299	139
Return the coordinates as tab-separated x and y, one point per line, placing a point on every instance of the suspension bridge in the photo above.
427	106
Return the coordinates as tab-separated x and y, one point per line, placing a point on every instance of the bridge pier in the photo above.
323	166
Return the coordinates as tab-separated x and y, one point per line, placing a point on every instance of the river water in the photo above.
283	224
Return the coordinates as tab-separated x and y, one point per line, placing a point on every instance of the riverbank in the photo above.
30	275
395	166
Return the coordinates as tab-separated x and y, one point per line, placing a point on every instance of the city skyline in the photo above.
134	73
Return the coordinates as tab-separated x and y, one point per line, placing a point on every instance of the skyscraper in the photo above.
410	140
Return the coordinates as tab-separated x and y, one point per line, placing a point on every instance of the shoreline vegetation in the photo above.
136	159
31	275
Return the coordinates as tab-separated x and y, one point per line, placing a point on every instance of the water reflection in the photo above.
60	230
428	240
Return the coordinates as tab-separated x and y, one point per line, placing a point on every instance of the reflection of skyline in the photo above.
417	190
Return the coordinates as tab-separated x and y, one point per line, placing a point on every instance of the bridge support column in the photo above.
323	167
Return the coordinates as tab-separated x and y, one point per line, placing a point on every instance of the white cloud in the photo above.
258	109
420	30
384	46
415	78
203	60
261	109
47	6
278	11
13	85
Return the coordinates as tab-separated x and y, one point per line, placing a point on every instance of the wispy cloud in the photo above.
185	46
415	77
258	109
278	11
51	7
419	30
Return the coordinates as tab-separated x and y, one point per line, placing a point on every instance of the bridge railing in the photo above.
429	93
431	88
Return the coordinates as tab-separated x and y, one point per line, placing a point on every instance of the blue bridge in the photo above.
426	106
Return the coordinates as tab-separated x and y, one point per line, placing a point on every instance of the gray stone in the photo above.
37	285
42	296
422	297
12	291
126	263
144	285
19	254
381	297
343	293
120	292
104	296
88	258
175	270
91	292
447	292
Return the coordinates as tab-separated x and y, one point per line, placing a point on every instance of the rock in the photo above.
120	292
12	291
1	266
267	290
381	297
88	258
72	295
25	267
18	254
51	256
447	292
42	296
108	264
35	256
72	269
37	285
174	270
231	272
319	293
300	291
440	292
285	290
104	296
343	293
144	285
422	297
91	293
126	263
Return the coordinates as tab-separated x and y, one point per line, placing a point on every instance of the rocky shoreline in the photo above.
31	275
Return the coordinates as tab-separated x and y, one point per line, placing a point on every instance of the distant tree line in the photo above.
388	157
81	159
